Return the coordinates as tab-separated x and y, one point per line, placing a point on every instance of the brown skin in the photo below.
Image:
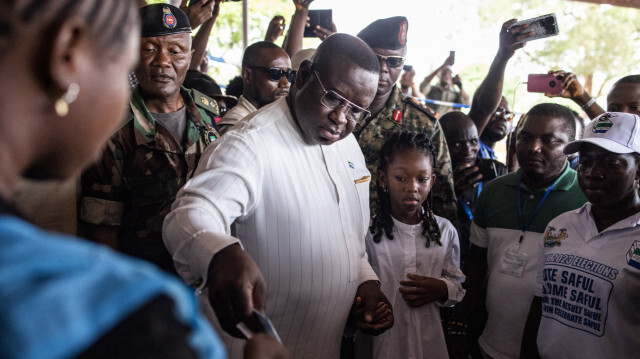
388	77
319	124
573	90
609	181
72	56
258	88
462	141
409	177
164	61
236	285
624	98
539	146
496	128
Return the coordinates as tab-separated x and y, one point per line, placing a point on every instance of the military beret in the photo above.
390	33
163	20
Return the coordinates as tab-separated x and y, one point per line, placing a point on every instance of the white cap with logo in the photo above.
616	132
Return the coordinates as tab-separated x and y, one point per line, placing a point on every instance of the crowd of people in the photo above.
317	209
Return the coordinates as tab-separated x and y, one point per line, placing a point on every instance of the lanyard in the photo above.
525	227
464	205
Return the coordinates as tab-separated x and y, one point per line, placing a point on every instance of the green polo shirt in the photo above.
497	206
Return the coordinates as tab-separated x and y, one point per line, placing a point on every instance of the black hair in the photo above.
235	87
340	48
556	111
109	21
252	53
630	79
382	221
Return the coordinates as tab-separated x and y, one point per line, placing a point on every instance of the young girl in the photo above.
415	253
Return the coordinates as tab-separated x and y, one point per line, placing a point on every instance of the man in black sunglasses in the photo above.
393	111
267	76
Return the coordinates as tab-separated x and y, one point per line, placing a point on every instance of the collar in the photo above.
565	181
629	222
144	122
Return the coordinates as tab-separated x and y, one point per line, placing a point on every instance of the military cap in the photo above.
389	33
163	20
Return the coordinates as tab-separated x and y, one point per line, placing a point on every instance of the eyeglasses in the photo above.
333	101
276	73
392	61
507	115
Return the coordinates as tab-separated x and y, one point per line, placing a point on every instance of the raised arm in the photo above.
293	40
201	39
427	80
574	91
488	95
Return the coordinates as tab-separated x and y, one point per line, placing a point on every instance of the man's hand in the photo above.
199	12
236	287
372	310
450	60
512	39
465	178
302	4
457	81
275	29
572	88
406	80
264	346
322	33
420	290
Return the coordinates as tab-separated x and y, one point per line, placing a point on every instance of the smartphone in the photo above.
318	17
407	67
452	54
542	26
488	170
544	83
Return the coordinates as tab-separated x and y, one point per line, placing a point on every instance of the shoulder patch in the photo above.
205	102
419	105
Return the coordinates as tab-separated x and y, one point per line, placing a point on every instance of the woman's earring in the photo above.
637	183
62	104
385	189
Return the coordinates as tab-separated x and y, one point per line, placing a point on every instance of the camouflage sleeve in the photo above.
444	199
102	189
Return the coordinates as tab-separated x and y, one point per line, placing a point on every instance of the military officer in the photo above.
128	192
393	111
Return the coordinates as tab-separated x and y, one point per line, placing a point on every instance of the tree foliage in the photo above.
597	42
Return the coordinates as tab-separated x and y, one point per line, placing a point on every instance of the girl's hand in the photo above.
420	290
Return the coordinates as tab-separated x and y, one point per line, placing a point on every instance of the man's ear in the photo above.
304	73
247	75
382	178
69	53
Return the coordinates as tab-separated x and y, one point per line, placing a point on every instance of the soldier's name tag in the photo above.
512	263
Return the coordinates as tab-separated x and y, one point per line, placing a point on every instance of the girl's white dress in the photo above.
417	332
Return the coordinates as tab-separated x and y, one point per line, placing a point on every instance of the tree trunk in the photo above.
588	82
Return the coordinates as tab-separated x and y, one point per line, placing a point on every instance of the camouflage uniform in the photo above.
404	113
141	170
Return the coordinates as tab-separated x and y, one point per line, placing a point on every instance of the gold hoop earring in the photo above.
62	104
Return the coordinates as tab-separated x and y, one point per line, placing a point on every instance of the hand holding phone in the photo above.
542	26
322	18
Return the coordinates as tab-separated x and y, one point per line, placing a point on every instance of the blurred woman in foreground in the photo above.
64	65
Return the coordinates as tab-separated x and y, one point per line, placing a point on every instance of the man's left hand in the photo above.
373	311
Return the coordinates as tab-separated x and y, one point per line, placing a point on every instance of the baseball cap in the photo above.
615	132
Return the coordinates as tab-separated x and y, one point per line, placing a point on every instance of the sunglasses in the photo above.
507	115
333	101
392	61
276	73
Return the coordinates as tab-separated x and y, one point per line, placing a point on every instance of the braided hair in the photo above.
382	221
